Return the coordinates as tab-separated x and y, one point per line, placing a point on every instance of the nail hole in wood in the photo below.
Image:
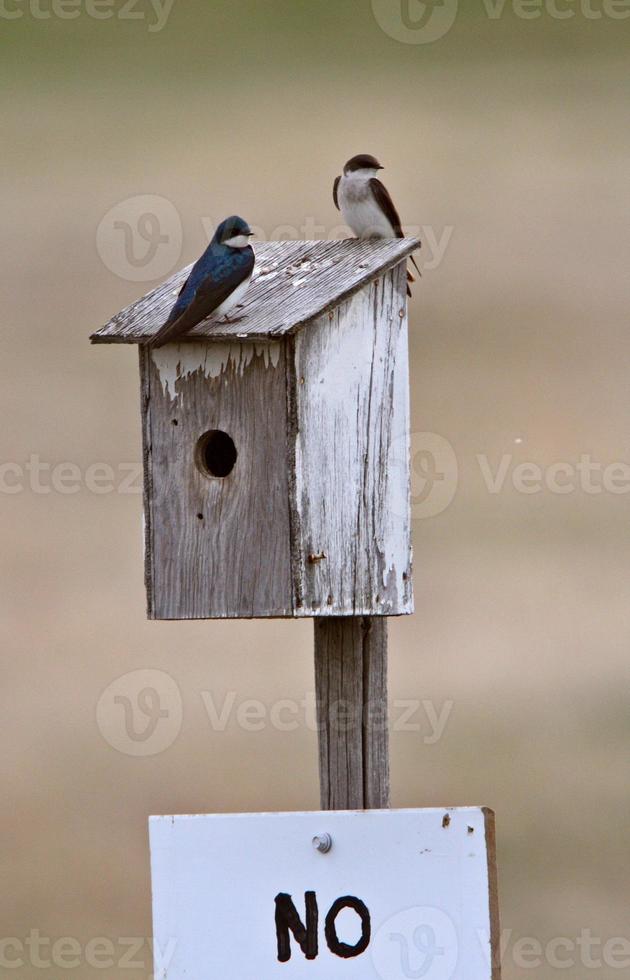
215	453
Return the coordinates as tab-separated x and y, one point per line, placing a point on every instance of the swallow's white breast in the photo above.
359	208
234	298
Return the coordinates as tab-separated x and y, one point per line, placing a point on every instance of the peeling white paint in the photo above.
177	362
265	272
351	454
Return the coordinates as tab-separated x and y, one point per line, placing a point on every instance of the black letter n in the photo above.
288	919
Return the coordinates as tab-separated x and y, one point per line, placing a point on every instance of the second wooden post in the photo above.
351	692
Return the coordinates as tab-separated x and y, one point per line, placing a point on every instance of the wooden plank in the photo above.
349	416
493	889
147	470
216	547
293	282
351	694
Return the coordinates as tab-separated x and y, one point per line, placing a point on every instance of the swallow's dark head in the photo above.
363	161
233	232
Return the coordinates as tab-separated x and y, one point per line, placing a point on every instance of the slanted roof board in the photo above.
293	282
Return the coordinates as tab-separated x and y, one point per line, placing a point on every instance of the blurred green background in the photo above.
512	133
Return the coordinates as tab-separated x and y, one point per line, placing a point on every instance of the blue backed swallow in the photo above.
216	284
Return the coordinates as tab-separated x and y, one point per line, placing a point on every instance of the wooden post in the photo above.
351	694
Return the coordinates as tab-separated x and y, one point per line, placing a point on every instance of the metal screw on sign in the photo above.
322	843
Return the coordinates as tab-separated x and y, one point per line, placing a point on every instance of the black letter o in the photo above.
334	944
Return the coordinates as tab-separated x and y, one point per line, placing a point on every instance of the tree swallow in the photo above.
365	202
217	281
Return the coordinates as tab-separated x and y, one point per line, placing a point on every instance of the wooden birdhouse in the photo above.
276	470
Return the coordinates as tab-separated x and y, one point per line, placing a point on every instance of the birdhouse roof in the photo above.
293	282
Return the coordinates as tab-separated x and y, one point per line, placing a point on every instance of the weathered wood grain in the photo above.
216	547
293	282
351	547
496	950
351	693
314	519
147	470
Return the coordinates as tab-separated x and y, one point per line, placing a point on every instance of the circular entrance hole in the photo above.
215	454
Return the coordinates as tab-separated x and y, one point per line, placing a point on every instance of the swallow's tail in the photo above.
410	275
166	333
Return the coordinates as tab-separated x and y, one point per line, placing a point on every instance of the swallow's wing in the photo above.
387	206
336	192
213	290
181	302
385	203
187	291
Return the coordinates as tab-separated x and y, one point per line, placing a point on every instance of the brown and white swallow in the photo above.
366	204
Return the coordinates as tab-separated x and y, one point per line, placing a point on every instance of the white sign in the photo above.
383	894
